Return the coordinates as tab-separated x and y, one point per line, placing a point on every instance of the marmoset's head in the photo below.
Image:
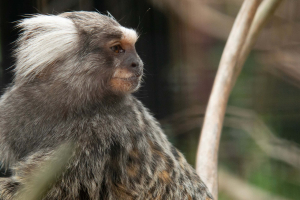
84	51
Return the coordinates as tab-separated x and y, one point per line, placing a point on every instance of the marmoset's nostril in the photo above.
134	64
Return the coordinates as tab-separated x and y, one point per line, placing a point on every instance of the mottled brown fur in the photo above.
121	151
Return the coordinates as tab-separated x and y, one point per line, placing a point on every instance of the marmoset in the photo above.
74	77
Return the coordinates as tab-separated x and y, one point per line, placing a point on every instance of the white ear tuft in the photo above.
45	40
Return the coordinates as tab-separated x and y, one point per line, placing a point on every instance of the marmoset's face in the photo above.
108	52
129	67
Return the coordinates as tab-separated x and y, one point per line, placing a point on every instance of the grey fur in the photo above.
65	95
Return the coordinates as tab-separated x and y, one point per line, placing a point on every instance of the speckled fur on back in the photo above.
63	92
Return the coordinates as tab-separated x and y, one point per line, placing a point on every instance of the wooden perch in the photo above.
237	48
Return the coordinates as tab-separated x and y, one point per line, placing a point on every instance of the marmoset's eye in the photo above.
117	49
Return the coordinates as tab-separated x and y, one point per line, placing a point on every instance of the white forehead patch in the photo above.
129	35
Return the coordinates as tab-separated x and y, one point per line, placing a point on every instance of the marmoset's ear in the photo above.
44	40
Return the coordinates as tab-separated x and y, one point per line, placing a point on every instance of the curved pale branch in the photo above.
207	155
264	12
239	44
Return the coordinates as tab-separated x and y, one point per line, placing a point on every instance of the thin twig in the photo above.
273	146
263	14
245	120
199	15
236	188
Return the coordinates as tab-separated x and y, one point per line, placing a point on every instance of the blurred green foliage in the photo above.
276	103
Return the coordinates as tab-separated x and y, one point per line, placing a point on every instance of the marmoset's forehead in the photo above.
93	22
90	18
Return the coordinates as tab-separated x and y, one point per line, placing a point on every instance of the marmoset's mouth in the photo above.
124	80
133	77
124	85
128	79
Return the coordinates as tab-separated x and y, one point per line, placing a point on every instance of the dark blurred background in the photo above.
181	44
